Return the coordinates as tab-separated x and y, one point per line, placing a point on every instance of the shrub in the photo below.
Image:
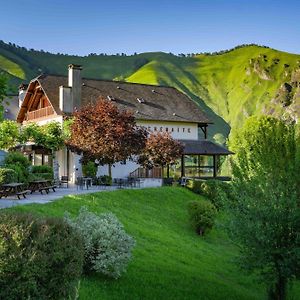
106	179
19	163
202	215
7	175
107	246
89	169
39	258
42	172
42	169
21	174
215	190
16	158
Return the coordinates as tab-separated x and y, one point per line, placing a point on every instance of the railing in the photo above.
40	113
146	173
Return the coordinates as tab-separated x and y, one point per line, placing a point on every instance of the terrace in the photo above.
40	113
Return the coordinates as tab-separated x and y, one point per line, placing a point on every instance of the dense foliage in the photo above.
107	246
41	169
9	134
218	192
20	164
7	175
202	215
42	172
89	169
39	258
160	150
265	217
105	133
50	136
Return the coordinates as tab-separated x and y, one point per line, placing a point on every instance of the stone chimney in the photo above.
70	96
22	91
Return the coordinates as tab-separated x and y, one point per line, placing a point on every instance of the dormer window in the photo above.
140	100
110	98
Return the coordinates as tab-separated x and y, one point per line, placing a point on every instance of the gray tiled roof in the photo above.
203	147
148	102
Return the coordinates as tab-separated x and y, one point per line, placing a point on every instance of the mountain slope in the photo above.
247	81
229	87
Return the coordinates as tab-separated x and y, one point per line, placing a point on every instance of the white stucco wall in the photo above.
178	130
151	182
75	167
118	170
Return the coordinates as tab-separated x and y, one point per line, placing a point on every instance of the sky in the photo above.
186	26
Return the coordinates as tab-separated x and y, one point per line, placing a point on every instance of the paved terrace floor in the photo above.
36	197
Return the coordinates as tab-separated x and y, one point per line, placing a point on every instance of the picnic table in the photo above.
84	182
40	185
11	189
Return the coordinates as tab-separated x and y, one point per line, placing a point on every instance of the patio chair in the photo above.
101	182
64	180
79	183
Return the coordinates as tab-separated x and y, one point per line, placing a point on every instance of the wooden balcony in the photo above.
40	113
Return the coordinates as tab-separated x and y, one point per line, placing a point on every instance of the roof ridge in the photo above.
106	80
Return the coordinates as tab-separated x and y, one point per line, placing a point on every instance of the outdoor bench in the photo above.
22	193
46	189
52	187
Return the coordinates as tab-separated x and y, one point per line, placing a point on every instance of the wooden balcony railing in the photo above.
40	113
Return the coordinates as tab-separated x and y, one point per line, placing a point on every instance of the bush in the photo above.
39	258
43	176
42	172
214	190
7	175
42	169
20	164
21	174
202	215
17	158
106	179
107	246
89	169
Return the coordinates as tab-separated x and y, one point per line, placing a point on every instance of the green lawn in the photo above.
170	261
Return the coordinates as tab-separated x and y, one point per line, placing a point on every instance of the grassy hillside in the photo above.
246	81
170	261
229	87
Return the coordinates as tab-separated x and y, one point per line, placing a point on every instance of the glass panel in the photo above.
175	170
199	166
206	160
224	169
48	160
37	159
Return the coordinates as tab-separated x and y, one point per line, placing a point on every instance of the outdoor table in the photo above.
36	185
120	182
87	181
11	188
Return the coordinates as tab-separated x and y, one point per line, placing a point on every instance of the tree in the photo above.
103	132
49	136
9	134
160	150
265	216
3	92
